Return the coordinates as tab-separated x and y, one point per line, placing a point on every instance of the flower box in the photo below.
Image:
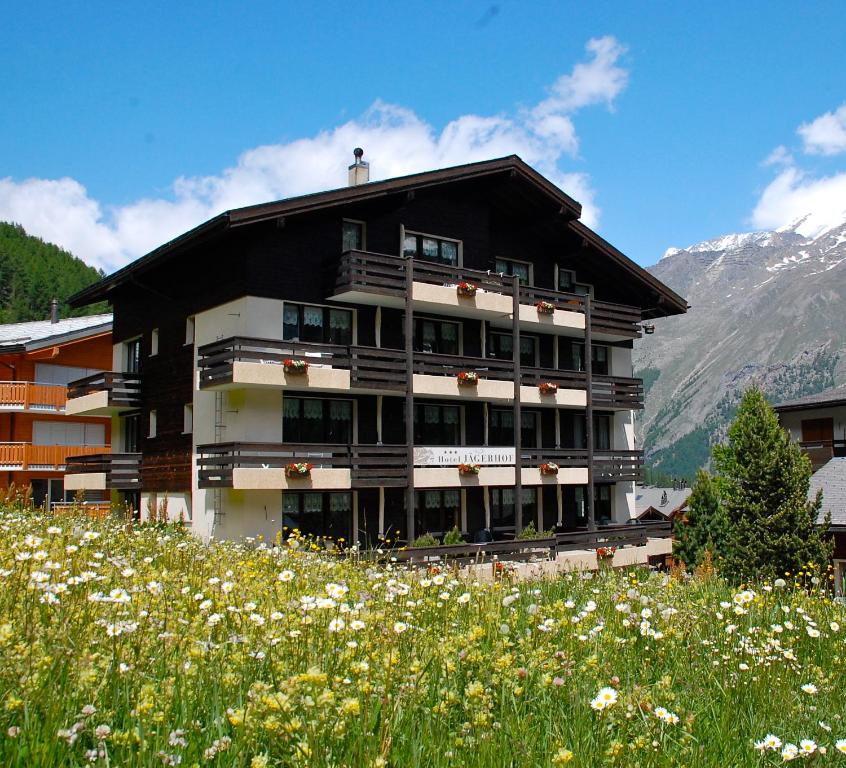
547	388
468	469
468	290
605	553
545	307
468	378
549	468
298	469
295	366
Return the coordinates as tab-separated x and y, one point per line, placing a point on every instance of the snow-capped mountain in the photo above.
766	307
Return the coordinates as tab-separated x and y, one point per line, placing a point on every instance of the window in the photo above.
501	346
437	424
190	329
318	514
131	432
574	358
309	420
437	511
582	289
187	419
48	373
67	433
519	269
319	325
602	503
566	280
502	507
430	249
154	342
435	336
601	431
501	428
132	356
353	235
153	424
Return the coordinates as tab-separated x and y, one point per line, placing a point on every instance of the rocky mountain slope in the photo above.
766	308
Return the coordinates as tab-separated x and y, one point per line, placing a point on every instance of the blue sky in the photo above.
123	124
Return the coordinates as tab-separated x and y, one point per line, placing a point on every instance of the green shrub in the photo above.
426	540
453	536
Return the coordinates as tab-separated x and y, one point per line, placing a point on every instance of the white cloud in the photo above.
826	135
397	141
779	156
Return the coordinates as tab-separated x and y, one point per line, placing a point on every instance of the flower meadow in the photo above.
140	646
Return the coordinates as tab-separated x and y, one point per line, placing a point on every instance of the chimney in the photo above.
359	170
54	311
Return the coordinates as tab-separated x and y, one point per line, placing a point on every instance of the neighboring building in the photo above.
37	433
659	504
207	321
818	424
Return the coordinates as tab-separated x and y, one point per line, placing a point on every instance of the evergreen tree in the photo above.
704	524
770	525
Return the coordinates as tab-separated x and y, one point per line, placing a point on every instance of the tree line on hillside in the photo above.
33	272
753	517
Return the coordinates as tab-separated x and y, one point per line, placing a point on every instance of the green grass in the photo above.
255	655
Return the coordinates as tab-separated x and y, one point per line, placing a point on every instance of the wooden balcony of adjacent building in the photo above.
103	471
104	394
262	466
246	362
820	452
28	396
26	457
375	278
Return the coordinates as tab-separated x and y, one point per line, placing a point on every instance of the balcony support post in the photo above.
409	396
591	517
518	419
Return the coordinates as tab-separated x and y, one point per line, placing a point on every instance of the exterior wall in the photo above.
792	421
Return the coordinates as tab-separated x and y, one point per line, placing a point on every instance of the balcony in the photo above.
28	396
245	362
261	466
371	278
104	394
820	452
608	466
26	457
103	471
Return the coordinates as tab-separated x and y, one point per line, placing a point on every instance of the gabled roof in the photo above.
831	480
829	397
649	496
570	209
25	337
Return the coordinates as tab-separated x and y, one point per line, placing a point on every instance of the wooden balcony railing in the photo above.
608	466
124	388
370	465
122	470
378	368
27	395
26	456
384	274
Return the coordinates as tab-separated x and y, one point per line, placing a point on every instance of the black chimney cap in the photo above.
358	153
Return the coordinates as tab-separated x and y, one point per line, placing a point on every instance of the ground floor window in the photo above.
437	511
503	509
318	514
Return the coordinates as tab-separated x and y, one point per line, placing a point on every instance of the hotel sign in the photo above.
452	456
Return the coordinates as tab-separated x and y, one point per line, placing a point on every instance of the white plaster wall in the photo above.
792	421
177	506
248	513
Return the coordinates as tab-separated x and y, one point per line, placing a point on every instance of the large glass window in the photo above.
501	428
437	511
437	424
501	346
131	431
601	431
318	514
430	249
319	325
309	420
132	351
574	357
435	336
353	235
502	507
518	268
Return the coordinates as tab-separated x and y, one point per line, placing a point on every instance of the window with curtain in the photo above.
353	235
502	507
435	336
601	431
501	428
319	514
437	511
437	424
311	420
430	249
566	280
574	357
318	325
517	268
501	347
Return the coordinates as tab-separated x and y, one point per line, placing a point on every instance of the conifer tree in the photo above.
704	523
770	524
